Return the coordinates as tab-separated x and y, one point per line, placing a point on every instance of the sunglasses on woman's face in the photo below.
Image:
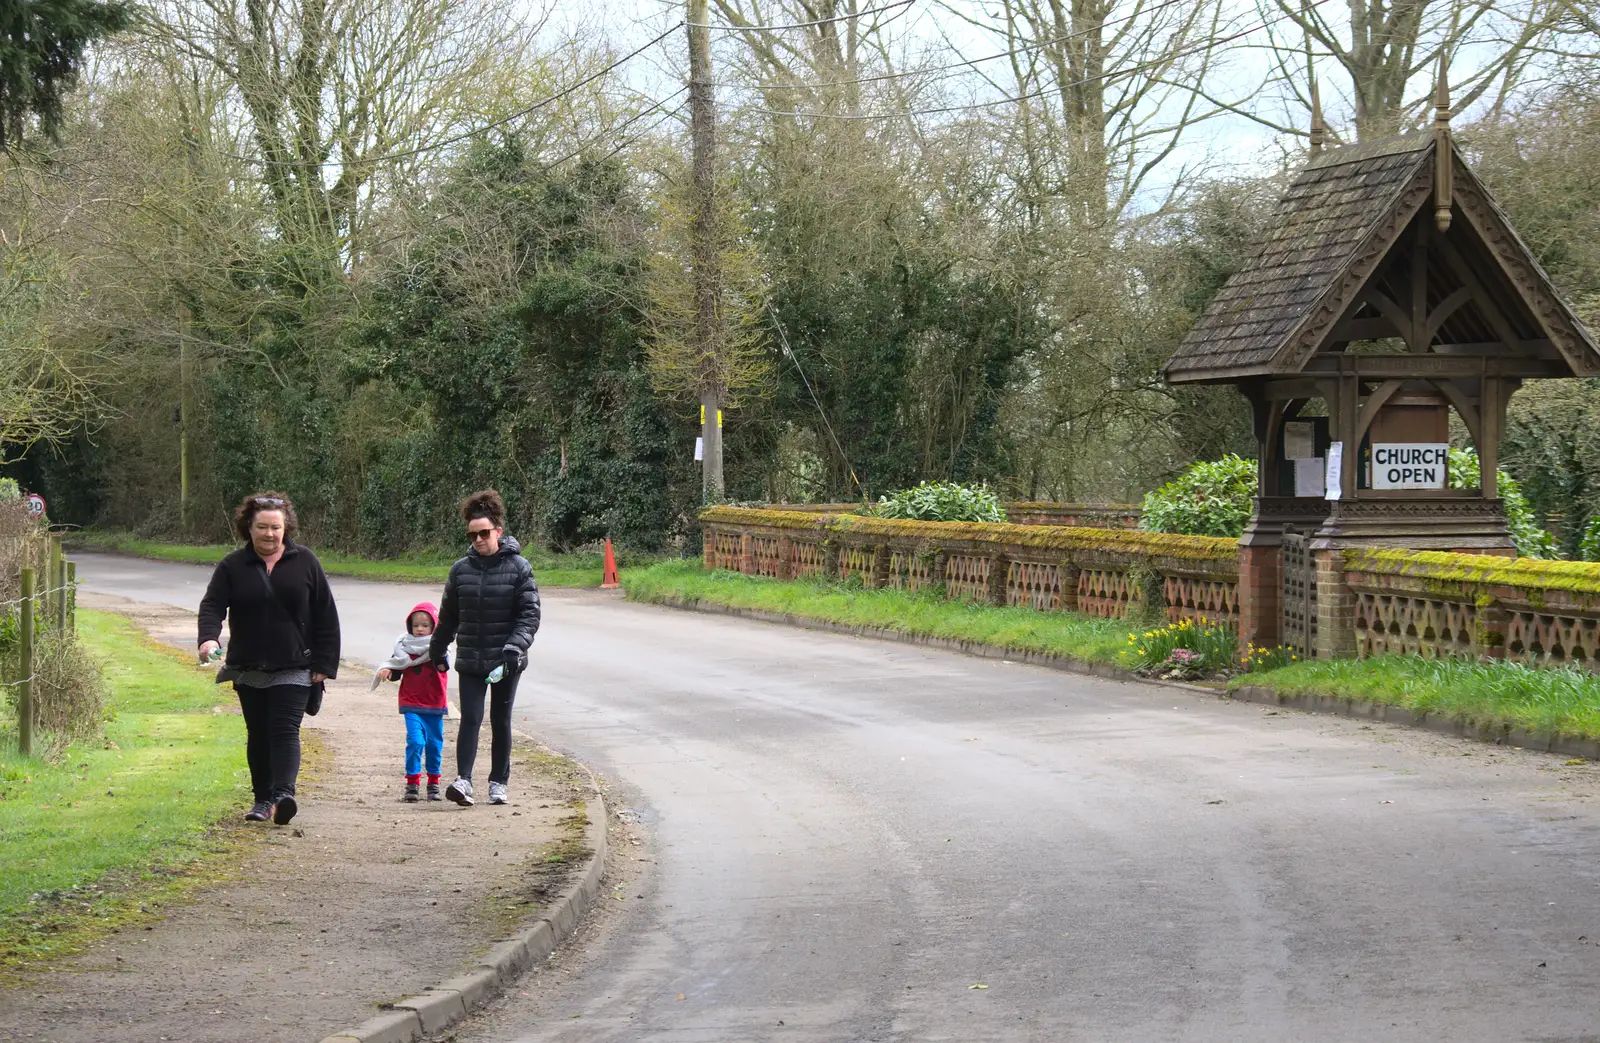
480	534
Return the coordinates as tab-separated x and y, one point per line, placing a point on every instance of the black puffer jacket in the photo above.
490	608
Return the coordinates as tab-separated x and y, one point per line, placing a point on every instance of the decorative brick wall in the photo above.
1369	601
1103	572
1434	603
1027	512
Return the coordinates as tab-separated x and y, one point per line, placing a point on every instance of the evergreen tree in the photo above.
41	50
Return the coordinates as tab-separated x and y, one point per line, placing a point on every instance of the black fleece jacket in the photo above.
491	609
262	634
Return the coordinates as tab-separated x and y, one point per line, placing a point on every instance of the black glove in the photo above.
442	664
514	661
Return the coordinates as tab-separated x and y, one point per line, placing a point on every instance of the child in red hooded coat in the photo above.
422	701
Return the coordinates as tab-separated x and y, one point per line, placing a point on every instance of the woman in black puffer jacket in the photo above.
491	609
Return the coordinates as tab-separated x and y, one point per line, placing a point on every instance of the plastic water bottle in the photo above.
497	673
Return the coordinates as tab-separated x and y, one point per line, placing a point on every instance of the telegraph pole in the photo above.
703	248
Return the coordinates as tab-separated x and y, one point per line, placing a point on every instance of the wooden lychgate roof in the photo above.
1355	234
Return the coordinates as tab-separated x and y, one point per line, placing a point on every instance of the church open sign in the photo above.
1410	465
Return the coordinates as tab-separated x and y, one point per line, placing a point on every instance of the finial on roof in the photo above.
1443	167
1318	131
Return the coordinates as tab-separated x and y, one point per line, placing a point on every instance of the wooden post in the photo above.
707	334
54	603
25	689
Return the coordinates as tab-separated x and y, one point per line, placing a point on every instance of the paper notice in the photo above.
699	448
1299	441
1308	476
1335	469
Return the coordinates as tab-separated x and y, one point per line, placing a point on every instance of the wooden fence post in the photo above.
25	688
52	581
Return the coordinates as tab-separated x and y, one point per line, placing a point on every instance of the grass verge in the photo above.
104	835
552	570
1056	633
1484	695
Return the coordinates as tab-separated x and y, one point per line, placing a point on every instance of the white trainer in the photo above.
497	793
460	791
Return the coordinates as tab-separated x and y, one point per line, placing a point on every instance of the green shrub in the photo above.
942	501
9	489
1211	498
1589	544
1532	541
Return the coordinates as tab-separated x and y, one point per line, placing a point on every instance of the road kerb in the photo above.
448	1002
436	1010
1319	703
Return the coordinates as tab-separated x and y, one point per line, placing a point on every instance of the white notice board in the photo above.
1308	476
1299	441
1335	469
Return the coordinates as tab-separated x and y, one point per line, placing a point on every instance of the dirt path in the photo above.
362	900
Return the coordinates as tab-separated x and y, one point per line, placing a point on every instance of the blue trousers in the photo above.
424	734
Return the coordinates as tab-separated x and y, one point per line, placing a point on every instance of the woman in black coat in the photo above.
491	609
283	643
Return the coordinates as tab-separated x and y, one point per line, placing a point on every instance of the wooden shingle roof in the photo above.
1330	214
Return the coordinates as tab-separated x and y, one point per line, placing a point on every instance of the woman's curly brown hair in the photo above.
485	503
255	503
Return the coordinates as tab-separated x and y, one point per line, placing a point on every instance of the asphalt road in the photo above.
850	835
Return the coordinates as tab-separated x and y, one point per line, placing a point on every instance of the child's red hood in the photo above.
423	606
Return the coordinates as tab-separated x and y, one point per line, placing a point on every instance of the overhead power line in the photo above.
478	129
536	106
970	62
800	25
1042	92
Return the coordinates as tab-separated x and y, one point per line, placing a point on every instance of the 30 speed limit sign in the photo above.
35	504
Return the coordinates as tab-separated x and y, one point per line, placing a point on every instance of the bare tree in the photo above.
338	100
1386	53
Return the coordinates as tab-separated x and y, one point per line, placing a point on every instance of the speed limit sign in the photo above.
35	504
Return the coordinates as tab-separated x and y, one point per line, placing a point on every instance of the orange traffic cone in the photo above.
609	579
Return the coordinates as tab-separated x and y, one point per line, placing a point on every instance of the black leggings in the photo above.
272	719
502	694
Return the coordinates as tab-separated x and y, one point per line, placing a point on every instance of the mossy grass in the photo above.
1492	695
1054	633
108	831
551	569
